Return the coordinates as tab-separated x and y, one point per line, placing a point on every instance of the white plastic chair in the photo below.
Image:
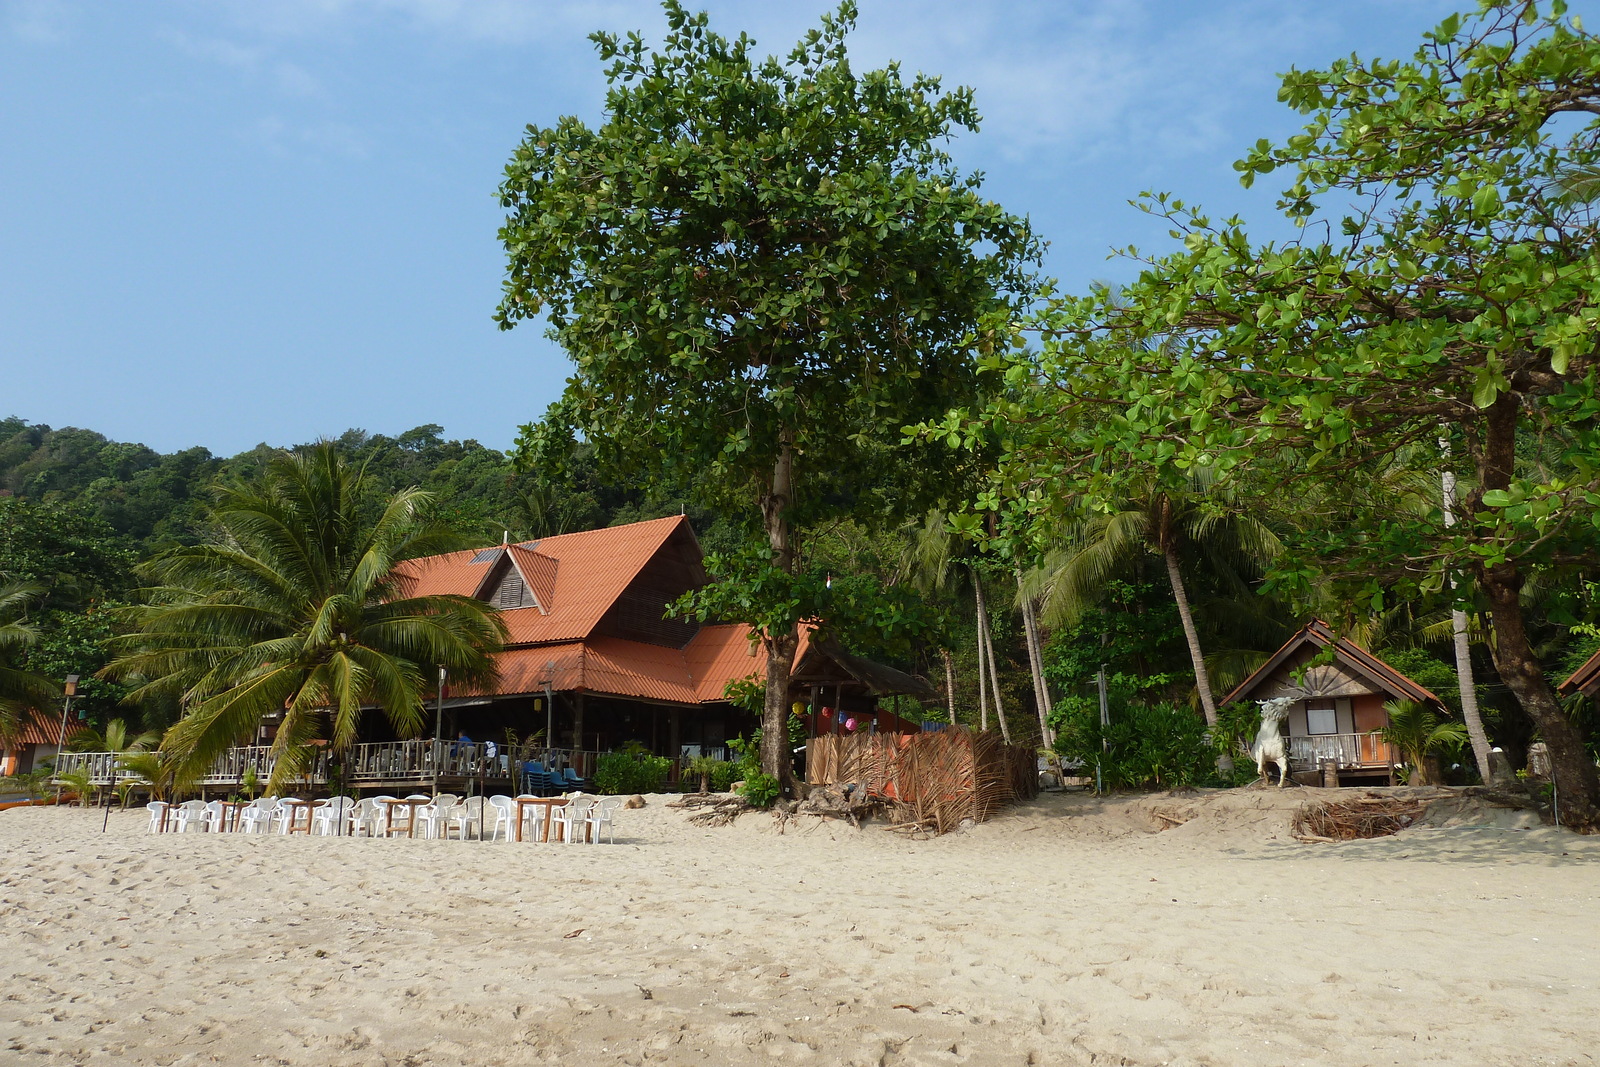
571	815
362	818
288	813
156	808
466	815
257	816
435	816
329	819
504	815
600	818
214	817
192	816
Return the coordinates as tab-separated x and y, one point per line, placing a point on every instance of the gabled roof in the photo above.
575	578
1347	654
1585	679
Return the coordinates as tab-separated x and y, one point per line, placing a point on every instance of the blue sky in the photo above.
232	221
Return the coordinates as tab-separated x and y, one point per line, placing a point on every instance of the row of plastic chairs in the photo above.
434	816
590	814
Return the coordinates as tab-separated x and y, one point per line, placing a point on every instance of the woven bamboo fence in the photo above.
939	778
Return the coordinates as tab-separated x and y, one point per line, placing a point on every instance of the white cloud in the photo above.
254	62
40	21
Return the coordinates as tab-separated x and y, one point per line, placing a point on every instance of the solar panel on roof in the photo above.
487	555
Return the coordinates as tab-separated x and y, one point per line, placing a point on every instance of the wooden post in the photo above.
577	718
1330	774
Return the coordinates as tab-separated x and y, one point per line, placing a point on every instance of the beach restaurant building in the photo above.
1337	704
592	663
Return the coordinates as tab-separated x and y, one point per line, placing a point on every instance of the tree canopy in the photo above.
762	269
1453	320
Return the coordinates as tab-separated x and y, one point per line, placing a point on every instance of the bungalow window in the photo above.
1322	717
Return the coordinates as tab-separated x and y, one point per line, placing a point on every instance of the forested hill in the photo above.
151	500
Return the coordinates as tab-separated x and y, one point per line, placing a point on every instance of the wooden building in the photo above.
1585	680
1337	704
593	658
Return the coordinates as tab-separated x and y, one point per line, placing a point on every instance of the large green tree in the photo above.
295	608
762	269
1455	314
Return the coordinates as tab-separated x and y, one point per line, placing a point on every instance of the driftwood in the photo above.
716	809
849	801
1361	817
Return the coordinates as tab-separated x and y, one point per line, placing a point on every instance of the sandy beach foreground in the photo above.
1066	932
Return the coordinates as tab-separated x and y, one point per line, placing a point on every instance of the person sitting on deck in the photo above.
455	749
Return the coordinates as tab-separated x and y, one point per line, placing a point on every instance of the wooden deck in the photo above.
1363	753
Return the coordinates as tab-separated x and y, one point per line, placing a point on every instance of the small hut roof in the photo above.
879	679
1586	679
1347	654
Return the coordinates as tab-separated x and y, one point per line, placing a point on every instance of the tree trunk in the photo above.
1577	785
1041	692
1463	649
994	668
983	661
776	758
949	681
1202	680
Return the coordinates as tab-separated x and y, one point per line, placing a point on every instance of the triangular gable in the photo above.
1347	654
538	573
1586	679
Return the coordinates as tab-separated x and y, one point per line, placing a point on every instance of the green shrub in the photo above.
617	773
760	789
1147	746
724	775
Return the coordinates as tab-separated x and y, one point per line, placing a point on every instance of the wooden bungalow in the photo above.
1585	680
1337	705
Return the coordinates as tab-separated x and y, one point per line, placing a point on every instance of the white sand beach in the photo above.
1065	932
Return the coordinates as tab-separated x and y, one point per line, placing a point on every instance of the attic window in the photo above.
512	592
487	555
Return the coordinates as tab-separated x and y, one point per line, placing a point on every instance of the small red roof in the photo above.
36	732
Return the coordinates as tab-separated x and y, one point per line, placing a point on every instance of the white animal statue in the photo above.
1269	746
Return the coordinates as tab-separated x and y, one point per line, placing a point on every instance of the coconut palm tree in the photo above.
116	739
295	608
1180	527
22	692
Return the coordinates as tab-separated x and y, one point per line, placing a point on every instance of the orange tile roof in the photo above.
576	578
586	574
721	654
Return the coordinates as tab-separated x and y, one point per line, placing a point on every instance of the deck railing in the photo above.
1347	750
370	764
